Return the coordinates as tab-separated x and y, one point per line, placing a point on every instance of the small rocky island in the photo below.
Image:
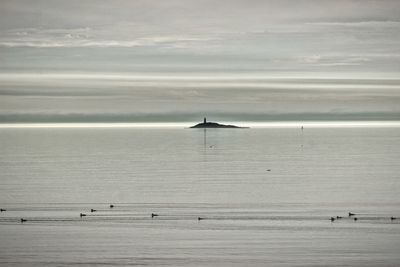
206	124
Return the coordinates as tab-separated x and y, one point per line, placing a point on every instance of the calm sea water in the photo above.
265	196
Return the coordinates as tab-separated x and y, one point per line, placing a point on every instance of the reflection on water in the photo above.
266	196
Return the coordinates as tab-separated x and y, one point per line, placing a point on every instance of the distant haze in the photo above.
82	61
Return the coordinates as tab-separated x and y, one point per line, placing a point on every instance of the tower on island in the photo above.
205	120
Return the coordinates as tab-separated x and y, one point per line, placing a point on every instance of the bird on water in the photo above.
1	210
351	214
393	218
82	214
111	206
355	218
92	210
332	219
153	215
23	220
200	218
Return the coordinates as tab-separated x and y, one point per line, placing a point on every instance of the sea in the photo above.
174	196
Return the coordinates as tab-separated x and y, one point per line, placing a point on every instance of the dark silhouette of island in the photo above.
206	124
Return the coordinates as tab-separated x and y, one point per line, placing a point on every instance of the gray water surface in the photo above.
265	196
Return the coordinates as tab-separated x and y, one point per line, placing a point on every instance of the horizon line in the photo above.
250	124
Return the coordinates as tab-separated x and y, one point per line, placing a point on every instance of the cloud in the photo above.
368	24
349	60
88	37
304	35
313	59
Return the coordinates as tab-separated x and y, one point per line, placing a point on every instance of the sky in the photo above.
182	60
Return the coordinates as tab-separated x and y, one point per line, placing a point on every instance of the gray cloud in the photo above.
153	56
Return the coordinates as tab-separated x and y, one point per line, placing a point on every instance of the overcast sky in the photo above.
237	57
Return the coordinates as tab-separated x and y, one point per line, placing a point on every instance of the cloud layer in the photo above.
153	56
283	34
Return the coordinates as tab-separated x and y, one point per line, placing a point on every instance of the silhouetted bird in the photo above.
82	214
393	218
1	210
111	206
332	219
92	210
351	214
339	217
153	215
23	220
268	170
355	218
199	218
